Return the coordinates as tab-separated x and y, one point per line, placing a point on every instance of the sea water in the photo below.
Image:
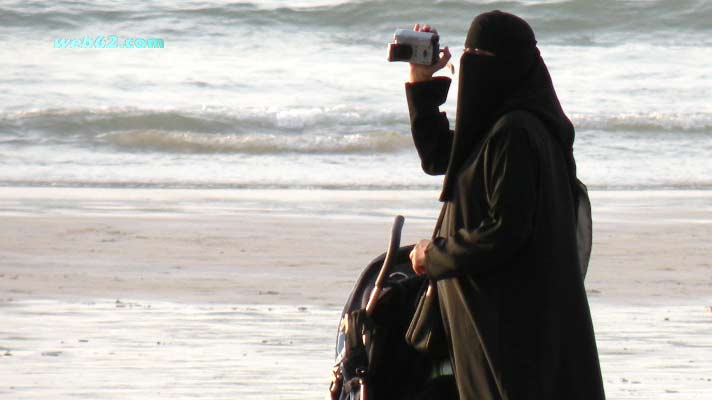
297	94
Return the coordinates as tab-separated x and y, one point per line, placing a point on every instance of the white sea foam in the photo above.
187	142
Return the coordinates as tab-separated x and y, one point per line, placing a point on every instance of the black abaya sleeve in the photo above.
430	127
509	168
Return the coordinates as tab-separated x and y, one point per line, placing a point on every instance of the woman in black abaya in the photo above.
511	253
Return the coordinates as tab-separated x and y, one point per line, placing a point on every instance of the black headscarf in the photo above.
516	78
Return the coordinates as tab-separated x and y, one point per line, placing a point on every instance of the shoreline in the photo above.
419	203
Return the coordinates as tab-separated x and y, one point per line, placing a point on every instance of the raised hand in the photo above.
420	73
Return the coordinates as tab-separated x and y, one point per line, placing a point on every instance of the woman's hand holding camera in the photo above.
421	73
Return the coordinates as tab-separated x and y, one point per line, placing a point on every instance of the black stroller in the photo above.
373	360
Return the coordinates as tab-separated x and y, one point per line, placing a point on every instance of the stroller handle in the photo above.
390	253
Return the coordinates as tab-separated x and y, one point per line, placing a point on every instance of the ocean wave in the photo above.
673	123
339	129
556	17
188	142
69	122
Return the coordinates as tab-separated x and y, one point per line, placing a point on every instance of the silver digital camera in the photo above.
414	47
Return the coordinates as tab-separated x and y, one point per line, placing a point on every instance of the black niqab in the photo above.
516	78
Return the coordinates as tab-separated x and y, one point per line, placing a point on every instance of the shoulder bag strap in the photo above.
439	224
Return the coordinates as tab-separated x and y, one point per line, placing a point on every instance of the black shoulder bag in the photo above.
426	332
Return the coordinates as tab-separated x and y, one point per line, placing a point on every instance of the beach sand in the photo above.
211	296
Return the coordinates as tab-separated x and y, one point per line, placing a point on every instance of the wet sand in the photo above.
116	302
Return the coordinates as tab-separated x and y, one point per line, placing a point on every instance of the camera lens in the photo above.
399	52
